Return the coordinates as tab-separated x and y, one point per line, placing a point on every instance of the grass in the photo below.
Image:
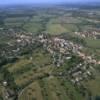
93	43
35	24
41	58
70	27
62	25
33	27
36	19
3	40
55	29
0	90
32	91
32	75
16	24
16	19
18	65
26	70
94	85
71	91
54	89
69	20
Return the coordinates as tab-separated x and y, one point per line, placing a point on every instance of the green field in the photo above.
55	29
31	92
92	43
94	85
33	27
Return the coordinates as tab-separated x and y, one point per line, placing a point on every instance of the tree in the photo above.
97	98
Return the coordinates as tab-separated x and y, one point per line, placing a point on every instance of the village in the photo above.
60	50
89	34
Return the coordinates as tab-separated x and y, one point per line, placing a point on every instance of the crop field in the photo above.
54	89
70	27
58	26
35	24
33	27
17	24
68	20
55	29
50	88
94	85
16	19
32	75
93	43
33	91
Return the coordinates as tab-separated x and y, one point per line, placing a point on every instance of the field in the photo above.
25	70
55	29
51	21
33	75
93	85
92	43
35	78
49	89
33	91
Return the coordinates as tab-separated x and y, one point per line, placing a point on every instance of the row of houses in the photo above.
89	34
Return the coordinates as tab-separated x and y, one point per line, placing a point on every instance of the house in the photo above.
99	62
89	73
5	83
67	58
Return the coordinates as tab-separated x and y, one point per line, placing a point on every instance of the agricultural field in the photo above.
33	91
50	88
55	29
93	43
35	73
94	86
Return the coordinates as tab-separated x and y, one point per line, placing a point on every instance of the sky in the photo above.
43	1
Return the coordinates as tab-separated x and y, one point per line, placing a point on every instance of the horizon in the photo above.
14	2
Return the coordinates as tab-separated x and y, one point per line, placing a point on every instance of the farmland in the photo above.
48	53
93	43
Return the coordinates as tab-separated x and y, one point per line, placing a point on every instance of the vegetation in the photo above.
30	71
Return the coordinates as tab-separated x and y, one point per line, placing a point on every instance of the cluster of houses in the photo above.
83	71
89	34
62	50
59	48
15	46
55	44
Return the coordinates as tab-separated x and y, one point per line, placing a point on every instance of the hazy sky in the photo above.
42	1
